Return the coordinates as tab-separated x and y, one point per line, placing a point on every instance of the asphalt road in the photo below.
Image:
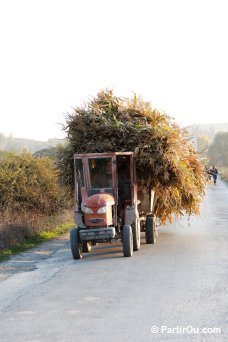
179	285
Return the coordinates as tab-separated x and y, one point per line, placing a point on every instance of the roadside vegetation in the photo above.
224	174
217	152
51	230
32	200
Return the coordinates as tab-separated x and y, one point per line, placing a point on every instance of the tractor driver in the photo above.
102	177
106	180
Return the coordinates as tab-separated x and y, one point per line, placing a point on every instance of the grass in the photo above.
34	241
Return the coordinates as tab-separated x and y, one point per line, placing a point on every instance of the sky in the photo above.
56	54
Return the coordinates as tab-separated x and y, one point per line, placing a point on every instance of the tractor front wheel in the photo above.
76	246
127	241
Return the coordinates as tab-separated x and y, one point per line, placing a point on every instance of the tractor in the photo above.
107	207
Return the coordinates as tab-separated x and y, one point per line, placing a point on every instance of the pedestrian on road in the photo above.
214	173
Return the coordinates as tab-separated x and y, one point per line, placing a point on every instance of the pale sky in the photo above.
55	54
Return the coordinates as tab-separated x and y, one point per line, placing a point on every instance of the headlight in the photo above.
102	210
87	210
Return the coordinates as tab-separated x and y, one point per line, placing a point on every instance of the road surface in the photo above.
174	288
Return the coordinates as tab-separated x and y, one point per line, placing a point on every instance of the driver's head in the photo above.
108	167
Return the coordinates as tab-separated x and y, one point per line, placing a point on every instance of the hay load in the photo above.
165	159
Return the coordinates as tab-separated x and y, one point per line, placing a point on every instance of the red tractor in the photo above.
106	203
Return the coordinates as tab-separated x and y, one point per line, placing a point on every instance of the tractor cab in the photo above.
104	184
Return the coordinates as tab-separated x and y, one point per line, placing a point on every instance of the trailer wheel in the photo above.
86	247
136	235
127	241
76	247
151	231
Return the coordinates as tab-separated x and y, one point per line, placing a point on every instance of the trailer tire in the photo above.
76	246
136	235
151	231
86	247
127	241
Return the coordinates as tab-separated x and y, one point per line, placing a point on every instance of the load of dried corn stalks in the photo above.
165	158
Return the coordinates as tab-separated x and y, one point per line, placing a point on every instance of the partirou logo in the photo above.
164	329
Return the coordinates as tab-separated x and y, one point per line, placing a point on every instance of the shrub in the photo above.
29	183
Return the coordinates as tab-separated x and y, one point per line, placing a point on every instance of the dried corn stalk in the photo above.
165	159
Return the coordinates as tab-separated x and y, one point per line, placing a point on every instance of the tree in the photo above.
218	150
202	143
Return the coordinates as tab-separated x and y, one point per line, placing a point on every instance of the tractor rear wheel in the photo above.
151	231
136	235
86	247
127	241
76	246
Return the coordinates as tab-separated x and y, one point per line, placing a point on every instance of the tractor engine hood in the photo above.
99	200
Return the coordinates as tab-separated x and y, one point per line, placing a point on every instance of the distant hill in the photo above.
46	152
26	145
209	129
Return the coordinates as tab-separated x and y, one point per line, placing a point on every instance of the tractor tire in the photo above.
86	247
76	246
151	231
136	235
127	241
